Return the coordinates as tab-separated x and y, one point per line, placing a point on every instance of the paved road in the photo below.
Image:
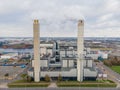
61	88
3	82
111	74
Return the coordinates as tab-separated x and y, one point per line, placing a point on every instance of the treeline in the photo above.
18	46
112	60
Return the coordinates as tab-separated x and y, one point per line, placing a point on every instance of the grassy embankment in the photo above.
116	68
103	83
100	83
22	83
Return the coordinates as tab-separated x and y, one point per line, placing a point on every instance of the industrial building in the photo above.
70	60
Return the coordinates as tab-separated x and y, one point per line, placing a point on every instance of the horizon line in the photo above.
62	37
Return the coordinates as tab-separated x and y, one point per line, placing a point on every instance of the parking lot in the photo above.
12	71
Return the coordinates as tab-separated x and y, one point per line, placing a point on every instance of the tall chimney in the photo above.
36	51
80	48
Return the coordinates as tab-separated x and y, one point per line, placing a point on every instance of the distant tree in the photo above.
116	60
107	62
6	75
112	60
29	79
59	77
47	78
23	76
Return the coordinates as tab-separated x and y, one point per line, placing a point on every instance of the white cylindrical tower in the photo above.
36	51
80	48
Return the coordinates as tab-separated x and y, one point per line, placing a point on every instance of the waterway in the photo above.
16	50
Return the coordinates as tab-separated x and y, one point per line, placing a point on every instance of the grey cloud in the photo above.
59	17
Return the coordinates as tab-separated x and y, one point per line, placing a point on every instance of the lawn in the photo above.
22	83
86	84
116	69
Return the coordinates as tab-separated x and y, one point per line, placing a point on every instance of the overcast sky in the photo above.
59	18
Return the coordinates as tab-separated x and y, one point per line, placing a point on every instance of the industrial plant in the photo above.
71	60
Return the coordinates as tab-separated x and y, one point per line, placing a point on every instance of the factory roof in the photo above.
87	58
46	42
90	68
69	58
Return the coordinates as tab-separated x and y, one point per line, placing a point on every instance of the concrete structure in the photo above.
80	48
12	71
36	51
67	59
46	48
95	53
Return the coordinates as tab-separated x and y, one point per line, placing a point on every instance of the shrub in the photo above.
24	76
47	78
29	79
6	75
59	77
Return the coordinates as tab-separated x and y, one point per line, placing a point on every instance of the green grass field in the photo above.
86	84
23	83
116	69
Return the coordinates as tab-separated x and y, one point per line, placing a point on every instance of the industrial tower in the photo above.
80	48
36	51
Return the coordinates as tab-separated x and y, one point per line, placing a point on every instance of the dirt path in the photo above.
52	85
3	85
